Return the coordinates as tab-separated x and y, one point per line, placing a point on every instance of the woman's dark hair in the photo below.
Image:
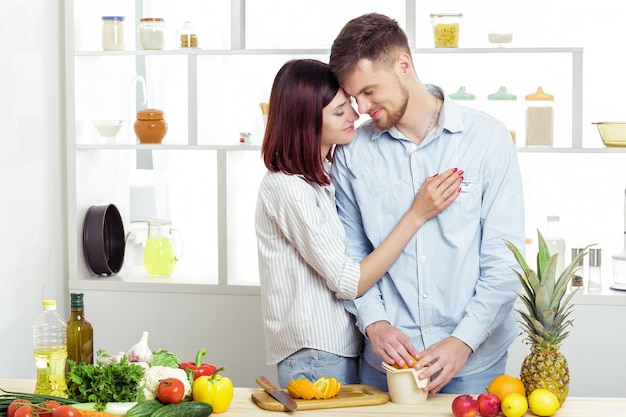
372	36
293	137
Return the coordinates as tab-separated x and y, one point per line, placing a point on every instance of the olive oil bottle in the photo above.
79	332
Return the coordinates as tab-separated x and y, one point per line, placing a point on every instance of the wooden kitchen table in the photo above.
436	406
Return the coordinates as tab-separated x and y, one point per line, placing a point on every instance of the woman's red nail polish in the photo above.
435	175
461	172
454	169
461	178
458	190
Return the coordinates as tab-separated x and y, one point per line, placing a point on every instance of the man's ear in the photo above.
404	63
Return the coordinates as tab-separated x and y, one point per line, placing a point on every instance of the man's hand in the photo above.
446	357
391	344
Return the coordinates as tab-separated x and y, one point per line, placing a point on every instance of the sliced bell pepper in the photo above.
197	369
215	390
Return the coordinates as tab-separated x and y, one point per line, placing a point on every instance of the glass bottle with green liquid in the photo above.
160	253
79	332
50	351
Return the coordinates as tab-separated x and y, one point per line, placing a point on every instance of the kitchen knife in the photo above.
278	394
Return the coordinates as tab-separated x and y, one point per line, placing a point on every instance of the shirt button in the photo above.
426	331
425	295
422	258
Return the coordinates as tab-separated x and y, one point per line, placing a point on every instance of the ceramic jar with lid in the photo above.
151	33
150	126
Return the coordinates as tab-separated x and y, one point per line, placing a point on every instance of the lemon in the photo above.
514	405
543	402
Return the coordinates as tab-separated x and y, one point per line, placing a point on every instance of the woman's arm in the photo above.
437	193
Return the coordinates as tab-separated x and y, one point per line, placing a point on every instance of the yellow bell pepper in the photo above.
215	390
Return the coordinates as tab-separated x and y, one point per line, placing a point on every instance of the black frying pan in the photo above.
104	241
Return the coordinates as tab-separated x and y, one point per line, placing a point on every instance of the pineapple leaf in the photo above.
542	299
518	256
543	254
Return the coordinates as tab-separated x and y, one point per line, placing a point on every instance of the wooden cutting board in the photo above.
349	396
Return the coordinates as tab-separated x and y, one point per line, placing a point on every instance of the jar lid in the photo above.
540	95
121	18
151	19
502	94
459	15
150	114
462	94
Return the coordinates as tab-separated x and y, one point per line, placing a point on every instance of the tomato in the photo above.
46	408
24	411
170	390
15	404
66	411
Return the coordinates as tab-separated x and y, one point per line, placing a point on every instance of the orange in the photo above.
395	365
506	384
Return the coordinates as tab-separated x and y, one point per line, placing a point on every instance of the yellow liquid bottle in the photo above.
50	351
79	332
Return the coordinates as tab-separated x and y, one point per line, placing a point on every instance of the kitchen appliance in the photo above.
619	261
278	394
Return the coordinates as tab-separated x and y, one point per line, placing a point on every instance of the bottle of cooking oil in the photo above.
50	351
79	332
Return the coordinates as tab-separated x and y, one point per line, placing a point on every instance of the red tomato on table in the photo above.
170	391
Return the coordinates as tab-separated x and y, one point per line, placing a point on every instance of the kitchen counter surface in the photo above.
436	406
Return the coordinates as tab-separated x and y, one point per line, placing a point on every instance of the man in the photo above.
448	299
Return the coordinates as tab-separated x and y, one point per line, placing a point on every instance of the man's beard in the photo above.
393	117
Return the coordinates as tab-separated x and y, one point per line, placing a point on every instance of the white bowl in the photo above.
404	385
107	128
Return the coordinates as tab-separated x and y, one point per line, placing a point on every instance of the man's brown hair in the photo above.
372	36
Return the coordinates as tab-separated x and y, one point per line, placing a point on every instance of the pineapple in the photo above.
546	320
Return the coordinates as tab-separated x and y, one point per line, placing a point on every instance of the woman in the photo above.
305	271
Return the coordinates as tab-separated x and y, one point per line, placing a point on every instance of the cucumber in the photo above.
145	408
184	409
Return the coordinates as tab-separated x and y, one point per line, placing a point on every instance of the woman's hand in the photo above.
436	194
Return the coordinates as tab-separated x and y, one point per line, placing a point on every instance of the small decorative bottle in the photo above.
595	273
577	273
555	242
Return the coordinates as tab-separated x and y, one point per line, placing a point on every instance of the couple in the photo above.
385	243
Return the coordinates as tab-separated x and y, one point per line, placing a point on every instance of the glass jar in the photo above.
151	33
187	36
150	126
113	33
446	29
539	119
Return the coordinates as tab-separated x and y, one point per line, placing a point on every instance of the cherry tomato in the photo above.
170	391
24	411
46	408
15	404
66	411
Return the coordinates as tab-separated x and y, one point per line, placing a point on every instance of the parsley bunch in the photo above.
103	383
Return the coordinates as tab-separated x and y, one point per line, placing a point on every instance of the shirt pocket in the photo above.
465	210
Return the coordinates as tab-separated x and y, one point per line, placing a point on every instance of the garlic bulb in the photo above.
140	352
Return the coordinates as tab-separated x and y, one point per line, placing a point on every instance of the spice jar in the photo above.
151	32
187	36
539	119
446	29
113	33
150	127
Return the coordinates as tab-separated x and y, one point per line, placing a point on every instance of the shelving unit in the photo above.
85	151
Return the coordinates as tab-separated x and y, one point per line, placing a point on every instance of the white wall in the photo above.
32	251
32	170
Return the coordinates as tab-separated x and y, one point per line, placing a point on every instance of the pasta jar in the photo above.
151	32
150	127
446	29
113	33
